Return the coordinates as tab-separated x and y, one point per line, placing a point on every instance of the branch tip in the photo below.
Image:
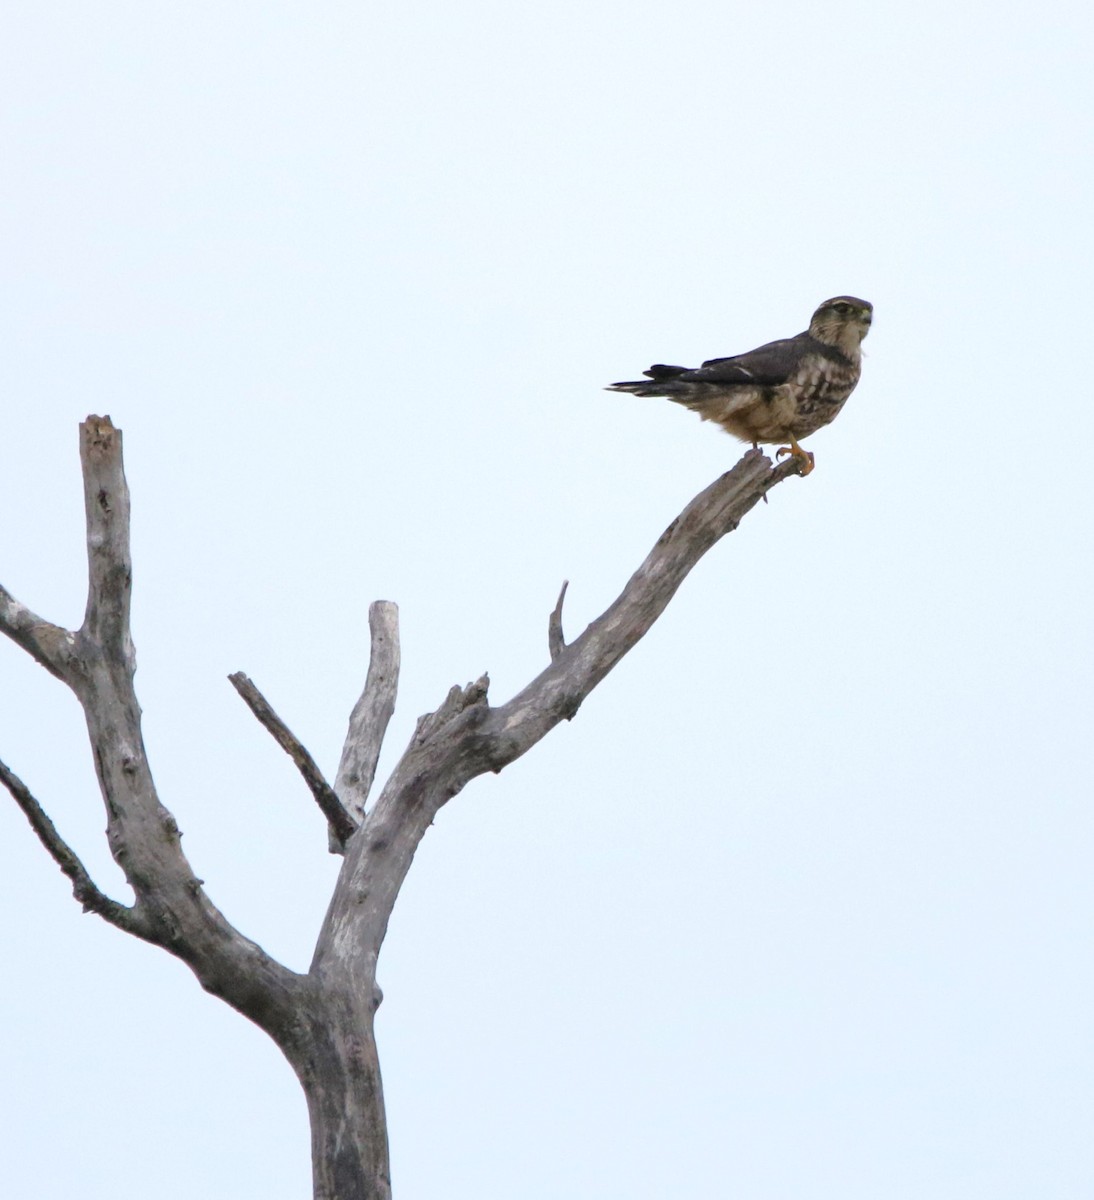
369	720
556	642
341	823
109	563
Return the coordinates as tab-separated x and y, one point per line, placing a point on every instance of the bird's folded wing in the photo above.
765	366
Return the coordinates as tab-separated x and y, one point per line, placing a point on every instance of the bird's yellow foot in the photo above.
808	462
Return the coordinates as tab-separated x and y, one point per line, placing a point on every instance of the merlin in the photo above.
780	392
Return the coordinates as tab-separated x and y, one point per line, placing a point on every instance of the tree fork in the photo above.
323	1021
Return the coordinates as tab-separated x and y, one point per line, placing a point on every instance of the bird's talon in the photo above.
808	461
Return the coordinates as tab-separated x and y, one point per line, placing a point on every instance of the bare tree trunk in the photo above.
339	1070
322	1021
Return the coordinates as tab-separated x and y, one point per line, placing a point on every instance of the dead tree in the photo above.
322	1021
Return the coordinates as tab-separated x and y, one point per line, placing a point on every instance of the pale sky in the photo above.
800	906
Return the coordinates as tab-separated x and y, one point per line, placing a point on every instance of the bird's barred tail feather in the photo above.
662	381
639	387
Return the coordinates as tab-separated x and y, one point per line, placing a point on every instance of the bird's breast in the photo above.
821	385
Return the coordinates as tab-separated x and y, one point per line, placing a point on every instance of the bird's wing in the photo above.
765	366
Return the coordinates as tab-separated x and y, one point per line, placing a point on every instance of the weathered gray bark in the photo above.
322	1021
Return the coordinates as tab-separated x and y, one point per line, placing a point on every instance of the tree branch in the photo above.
109	568
341	823
556	643
466	737
49	645
324	1021
559	690
98	662
83	886
369	720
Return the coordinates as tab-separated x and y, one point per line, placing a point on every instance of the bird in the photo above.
780	392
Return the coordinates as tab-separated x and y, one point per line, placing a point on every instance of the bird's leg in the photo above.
807	459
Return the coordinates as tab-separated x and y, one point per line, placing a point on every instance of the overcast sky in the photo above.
800	906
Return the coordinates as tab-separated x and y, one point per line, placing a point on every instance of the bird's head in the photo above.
842	322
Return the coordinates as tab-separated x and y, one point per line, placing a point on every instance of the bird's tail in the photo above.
662	380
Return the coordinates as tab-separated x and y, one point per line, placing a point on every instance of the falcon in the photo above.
780	392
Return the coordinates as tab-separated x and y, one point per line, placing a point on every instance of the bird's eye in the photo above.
842	308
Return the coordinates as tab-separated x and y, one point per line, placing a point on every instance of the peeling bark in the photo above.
322	1021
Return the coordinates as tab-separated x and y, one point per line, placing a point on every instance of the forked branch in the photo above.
466	736
323	1021
344	804
98	662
